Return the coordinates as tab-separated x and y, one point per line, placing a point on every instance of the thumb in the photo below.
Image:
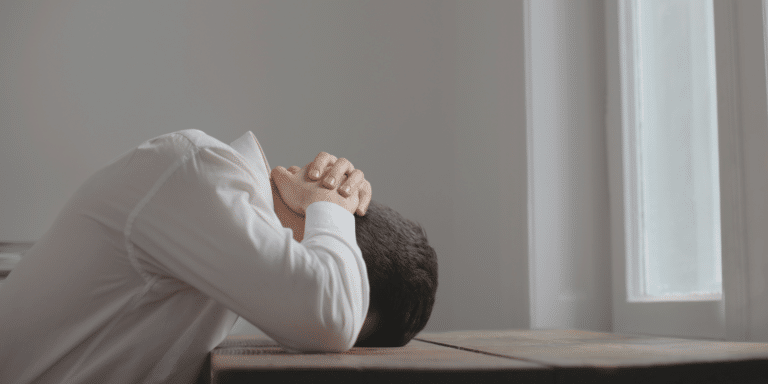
280	175
294	169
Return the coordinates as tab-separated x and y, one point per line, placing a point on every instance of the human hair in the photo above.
402	273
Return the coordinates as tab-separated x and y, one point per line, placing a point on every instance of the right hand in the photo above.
298	191
333	171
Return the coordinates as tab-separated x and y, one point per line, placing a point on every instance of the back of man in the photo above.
147	267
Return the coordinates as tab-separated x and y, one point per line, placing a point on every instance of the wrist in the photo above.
332	197
328	214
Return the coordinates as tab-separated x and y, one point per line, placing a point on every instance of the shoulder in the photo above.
199	138
182	145
209	158
194	138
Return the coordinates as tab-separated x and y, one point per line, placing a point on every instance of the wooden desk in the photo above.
520	356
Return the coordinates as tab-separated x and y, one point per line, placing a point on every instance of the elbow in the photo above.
335	342
335	330
315	337
337	311
336	335
340	314
320	340
328	327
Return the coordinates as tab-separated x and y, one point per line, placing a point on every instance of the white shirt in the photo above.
151	261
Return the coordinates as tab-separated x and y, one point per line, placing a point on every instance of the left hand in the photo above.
298	191
332	171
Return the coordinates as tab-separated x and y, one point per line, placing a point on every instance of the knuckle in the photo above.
342	163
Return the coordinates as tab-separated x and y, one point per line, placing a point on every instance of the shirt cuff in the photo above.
331	216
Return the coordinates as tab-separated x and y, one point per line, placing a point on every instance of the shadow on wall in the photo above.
10	254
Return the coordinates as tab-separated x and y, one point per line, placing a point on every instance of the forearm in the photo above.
331	291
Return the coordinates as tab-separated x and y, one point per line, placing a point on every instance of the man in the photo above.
151	261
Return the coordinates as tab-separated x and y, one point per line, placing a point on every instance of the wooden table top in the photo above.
524	356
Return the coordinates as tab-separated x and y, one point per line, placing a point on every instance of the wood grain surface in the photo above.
518	356
572	348
241	359
584	356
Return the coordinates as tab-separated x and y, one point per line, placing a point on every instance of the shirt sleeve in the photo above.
211	225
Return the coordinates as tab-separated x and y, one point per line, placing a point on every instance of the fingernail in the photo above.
345	189
330	181
315	174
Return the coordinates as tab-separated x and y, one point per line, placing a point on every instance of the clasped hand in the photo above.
326	178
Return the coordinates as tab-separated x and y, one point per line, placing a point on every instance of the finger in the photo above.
337	172
294	169
365	198
352	183
316	167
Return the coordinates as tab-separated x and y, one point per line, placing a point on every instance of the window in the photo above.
671	162
667	297
667	274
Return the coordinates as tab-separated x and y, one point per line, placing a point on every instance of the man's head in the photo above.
402	273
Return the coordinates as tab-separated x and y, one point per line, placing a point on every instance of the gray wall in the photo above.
426	97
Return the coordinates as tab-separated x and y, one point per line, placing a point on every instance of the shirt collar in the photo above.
249	147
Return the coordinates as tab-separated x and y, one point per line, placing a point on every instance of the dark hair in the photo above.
402	273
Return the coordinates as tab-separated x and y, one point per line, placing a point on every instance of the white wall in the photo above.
426	97
569	209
